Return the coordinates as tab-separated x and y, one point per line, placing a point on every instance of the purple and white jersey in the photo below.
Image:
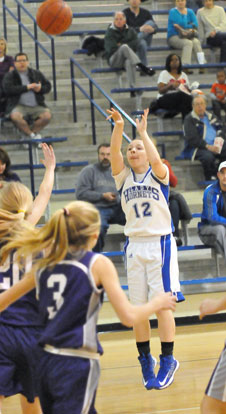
69	303
24	312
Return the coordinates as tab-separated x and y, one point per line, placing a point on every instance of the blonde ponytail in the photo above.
68	229
16	198
15	204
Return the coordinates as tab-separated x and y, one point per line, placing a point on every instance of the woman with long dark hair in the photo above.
5	168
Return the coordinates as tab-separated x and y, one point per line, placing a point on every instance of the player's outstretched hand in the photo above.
116	116
208	307
165	301
142	123
49	160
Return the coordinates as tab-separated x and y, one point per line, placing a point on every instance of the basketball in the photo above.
54	16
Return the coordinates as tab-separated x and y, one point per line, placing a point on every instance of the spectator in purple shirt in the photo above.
6	64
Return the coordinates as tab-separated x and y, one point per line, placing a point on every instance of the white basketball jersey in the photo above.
145	203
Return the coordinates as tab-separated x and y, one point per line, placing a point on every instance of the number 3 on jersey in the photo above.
59	281
144	210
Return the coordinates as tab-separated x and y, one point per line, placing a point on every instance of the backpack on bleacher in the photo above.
94	45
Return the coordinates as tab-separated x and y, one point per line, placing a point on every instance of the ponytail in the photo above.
69	229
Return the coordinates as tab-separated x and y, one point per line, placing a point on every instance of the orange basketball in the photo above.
54	17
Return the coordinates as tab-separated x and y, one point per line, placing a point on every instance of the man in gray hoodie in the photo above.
97	186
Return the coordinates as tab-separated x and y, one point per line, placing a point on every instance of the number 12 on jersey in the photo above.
144	210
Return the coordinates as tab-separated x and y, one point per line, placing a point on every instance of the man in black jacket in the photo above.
24	88
142	21
120	45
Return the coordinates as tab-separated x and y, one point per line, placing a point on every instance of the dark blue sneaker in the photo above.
148	364
168	366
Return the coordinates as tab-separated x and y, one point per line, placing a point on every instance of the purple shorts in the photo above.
18	361
67	384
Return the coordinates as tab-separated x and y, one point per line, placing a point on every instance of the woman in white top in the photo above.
174	89
212	26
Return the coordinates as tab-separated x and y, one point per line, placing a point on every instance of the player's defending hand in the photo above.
165	301
116	116
208	307
49	160
142	123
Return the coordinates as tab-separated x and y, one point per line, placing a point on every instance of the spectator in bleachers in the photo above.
5	173
200	130
25	88
194	4
97	186
212	26
142	21
6	65
173	86
182	34
178	206
212	228
218	94
121	44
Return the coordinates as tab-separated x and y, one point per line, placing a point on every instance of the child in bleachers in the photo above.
218	93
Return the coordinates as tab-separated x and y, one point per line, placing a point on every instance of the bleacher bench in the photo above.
67	164
214	255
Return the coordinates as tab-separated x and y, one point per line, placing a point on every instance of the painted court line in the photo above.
177	410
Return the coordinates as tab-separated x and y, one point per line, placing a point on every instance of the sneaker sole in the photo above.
171	379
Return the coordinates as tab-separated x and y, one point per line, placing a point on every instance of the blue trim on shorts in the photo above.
165	242
166	254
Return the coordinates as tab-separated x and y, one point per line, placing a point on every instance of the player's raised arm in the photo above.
45	190
105	274
117	163
153	156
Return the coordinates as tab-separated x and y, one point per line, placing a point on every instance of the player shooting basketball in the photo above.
151	252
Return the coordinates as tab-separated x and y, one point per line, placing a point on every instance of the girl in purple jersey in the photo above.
69	280
20	324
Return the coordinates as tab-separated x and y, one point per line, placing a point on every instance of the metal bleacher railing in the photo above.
31	166
94	105
34	36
